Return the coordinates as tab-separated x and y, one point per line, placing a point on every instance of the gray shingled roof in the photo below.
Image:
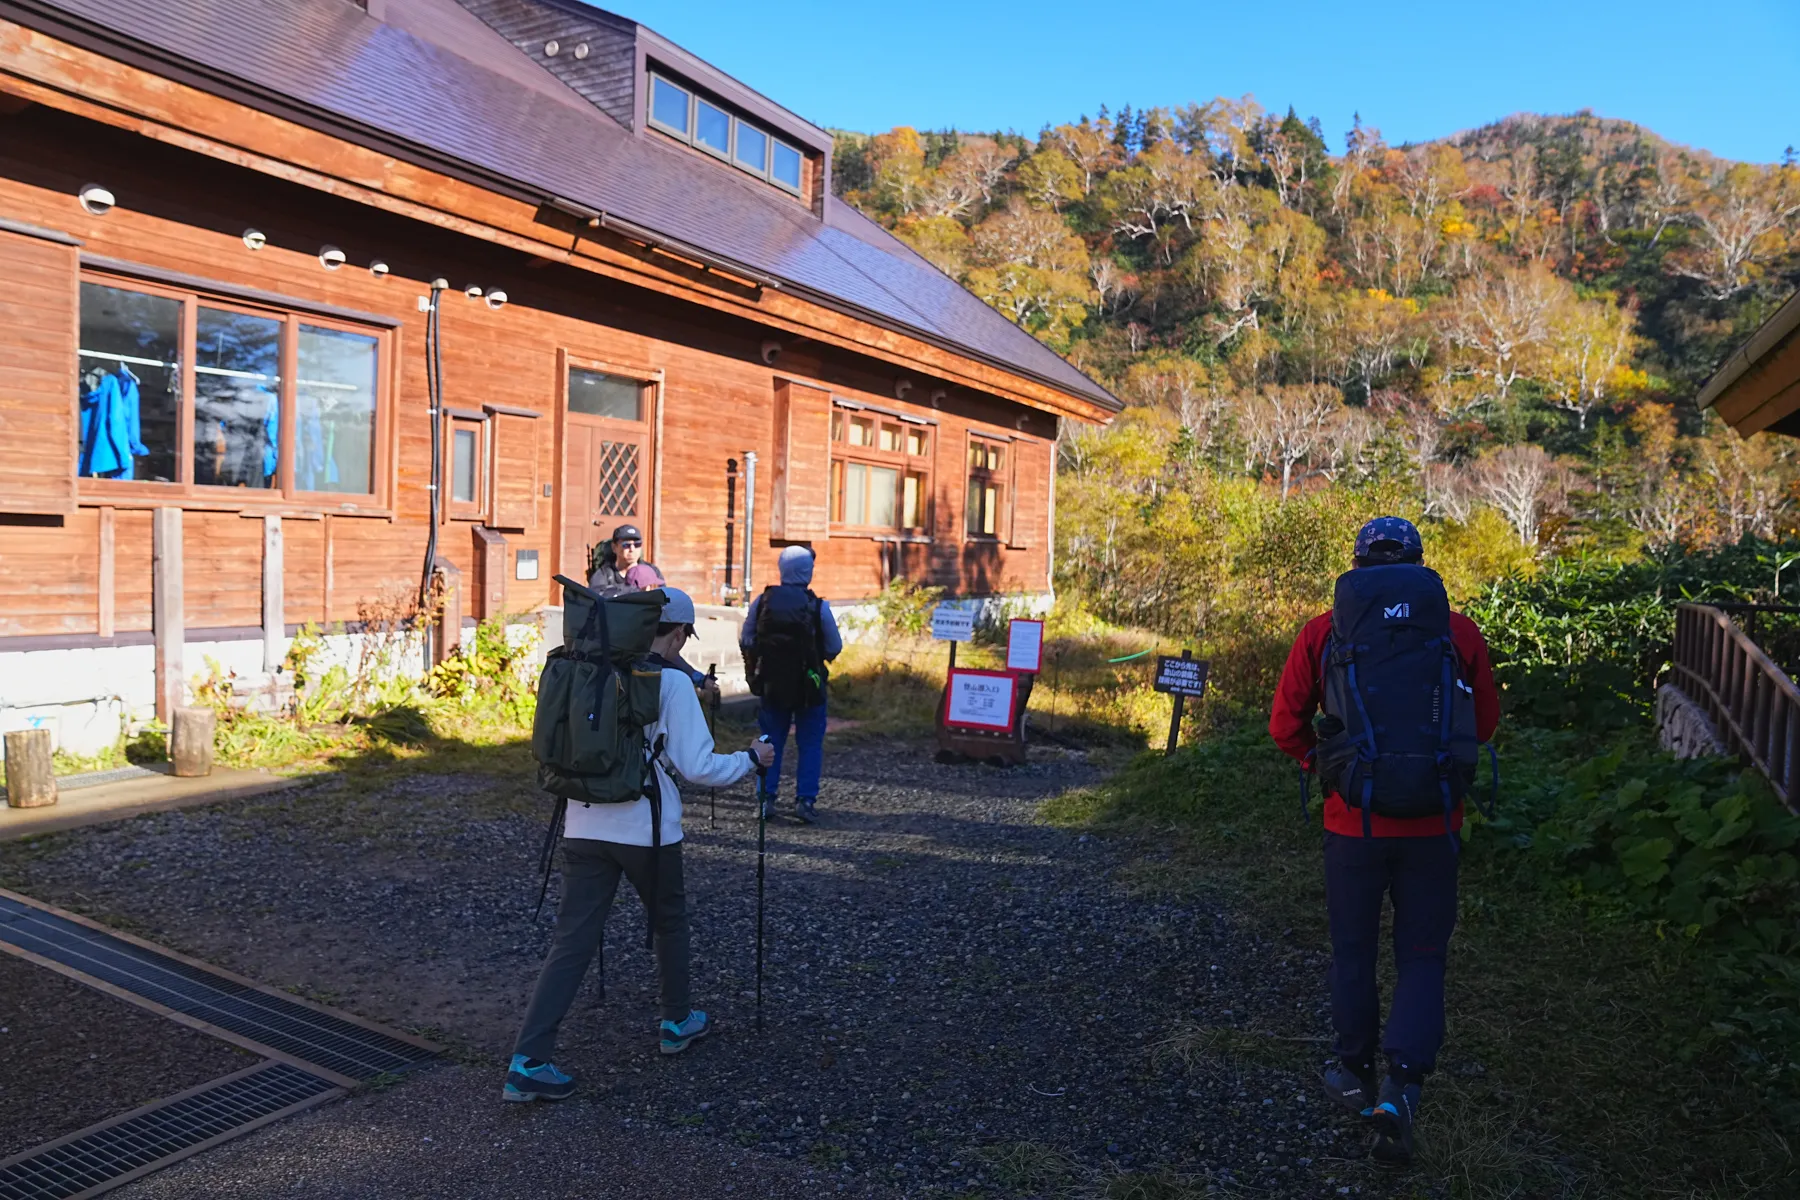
471	105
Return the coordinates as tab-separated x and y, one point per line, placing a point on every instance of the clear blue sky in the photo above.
1723	75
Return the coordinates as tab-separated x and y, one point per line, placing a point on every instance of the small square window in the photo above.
526	565
669	105
837	426
712	127
599	395
786	168
917	442
890	439
752	148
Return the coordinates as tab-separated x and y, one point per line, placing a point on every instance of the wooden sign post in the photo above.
982	714
1183	677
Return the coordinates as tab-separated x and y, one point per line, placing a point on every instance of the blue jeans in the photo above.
809	732
1420	874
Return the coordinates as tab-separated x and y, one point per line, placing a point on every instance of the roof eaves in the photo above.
1776	330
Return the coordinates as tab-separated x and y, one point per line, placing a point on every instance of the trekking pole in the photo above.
762	825
712	728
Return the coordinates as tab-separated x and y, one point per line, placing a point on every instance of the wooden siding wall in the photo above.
180	212
38	315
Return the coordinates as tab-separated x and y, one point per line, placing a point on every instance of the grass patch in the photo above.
1575	1064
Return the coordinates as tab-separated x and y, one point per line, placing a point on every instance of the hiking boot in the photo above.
1351	1087
767	801
803	810
677	1034
528	1080
1393	1115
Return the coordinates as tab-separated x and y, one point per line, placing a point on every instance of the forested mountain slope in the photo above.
1509	323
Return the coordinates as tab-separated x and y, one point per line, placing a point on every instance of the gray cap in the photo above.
678	609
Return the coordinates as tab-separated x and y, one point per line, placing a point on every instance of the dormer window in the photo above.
683	113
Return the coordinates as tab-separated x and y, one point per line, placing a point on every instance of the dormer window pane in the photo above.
668	105
712	127
752	148
787	166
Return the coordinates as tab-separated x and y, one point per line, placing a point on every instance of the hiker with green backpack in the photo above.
617	721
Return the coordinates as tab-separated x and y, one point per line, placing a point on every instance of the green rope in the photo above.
1129	657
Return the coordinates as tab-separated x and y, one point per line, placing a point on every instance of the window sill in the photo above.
877	535
302	507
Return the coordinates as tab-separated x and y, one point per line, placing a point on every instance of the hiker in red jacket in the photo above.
1369	856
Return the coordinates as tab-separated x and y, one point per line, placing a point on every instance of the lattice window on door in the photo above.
618	479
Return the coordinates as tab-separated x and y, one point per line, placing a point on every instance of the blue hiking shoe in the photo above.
803	810
1350	1087
540	1082
1393	1115
676	1035
767	801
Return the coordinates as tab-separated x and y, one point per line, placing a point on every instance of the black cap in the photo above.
627	533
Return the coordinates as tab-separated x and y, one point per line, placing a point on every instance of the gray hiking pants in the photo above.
590	879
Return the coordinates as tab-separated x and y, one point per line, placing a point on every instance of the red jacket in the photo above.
1298	695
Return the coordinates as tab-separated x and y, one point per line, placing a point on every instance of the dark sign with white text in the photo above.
1182	676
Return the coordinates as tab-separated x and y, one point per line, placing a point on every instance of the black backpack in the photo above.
1398	735
786	664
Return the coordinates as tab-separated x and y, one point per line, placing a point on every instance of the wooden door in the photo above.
608	485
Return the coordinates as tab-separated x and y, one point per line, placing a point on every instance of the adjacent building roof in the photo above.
434	82
1758	387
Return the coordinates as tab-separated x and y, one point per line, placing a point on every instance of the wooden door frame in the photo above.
654	379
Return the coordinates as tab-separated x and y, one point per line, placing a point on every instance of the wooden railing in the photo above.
1752	702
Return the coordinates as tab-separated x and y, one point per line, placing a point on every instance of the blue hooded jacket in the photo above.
110	434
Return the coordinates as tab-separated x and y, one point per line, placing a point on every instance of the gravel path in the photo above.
71	1056
959	999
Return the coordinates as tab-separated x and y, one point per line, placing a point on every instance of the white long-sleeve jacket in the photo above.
688	748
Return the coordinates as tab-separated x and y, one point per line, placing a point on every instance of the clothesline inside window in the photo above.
154	362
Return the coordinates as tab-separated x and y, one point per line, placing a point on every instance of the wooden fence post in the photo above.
30	779
274	603
167	619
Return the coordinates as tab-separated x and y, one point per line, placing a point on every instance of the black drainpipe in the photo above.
434	391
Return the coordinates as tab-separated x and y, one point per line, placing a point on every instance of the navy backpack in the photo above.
1398	735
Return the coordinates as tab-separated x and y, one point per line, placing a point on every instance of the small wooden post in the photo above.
191	741
30	781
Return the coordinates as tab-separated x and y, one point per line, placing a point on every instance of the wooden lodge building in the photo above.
227	399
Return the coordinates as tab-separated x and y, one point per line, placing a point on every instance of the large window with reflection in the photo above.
183	392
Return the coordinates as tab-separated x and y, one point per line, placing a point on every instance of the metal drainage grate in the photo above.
87	779
136	1144
307	1034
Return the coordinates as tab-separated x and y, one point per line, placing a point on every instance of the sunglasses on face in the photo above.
628	545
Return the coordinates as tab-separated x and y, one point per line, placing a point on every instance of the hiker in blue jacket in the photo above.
789	635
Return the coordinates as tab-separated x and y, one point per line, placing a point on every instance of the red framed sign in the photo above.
1025	645
981	700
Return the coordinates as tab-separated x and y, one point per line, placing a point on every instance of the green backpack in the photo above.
598	692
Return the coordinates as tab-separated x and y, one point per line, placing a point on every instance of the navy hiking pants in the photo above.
1419	873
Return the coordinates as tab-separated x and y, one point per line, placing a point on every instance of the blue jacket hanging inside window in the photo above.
110	436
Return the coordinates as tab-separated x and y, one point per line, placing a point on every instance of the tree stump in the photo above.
30	781
191	741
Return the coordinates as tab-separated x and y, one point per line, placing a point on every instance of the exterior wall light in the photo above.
95	199
473	291
552	48
255	239
330	257
496	299
378	269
